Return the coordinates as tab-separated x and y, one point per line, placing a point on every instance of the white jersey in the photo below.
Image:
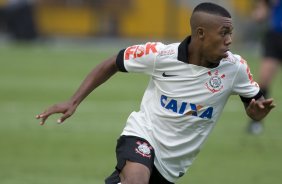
182	101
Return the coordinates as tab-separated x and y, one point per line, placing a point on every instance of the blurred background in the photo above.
161	19
46	49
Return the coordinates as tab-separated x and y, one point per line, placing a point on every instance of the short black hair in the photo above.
212	9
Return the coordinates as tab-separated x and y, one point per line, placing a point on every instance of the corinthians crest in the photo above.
143	149
215	82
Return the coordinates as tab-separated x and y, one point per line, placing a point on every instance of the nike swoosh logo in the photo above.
166	75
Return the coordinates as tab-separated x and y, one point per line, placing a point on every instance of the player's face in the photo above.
218	39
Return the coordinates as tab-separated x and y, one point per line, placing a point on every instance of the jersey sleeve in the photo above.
244	85
139	58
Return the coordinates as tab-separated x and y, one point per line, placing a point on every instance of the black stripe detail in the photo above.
183	50
248	100
120	61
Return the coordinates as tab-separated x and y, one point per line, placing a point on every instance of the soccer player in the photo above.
272	49
189	86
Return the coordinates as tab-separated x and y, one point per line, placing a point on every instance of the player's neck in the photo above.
196	56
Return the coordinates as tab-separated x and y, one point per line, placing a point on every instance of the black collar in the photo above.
183	50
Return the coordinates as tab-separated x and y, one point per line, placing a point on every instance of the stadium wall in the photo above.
122	18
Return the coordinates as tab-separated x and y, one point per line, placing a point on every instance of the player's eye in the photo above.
225	32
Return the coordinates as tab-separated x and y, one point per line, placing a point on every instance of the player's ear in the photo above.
200	32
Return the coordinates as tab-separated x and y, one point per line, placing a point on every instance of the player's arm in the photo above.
96	77
256	106
257	109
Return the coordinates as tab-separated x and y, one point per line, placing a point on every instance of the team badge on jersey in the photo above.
215	82
143	149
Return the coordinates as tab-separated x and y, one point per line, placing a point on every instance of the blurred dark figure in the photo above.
16	19
270	11
109	12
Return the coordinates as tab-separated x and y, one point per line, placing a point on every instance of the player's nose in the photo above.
228	40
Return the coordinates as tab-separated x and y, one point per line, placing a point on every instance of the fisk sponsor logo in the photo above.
136	51
186	108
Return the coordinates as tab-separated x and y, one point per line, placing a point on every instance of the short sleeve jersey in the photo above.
182	101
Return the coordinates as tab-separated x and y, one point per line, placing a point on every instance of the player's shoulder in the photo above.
144	50
163	46
149	49
168	50
234	59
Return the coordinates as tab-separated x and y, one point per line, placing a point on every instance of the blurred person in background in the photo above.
18	19
270	11
109	14
189	86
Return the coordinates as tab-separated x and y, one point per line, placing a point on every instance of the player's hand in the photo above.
258	109
66	108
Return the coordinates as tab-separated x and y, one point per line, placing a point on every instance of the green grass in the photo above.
35	76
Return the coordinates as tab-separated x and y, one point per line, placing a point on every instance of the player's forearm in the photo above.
95	78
